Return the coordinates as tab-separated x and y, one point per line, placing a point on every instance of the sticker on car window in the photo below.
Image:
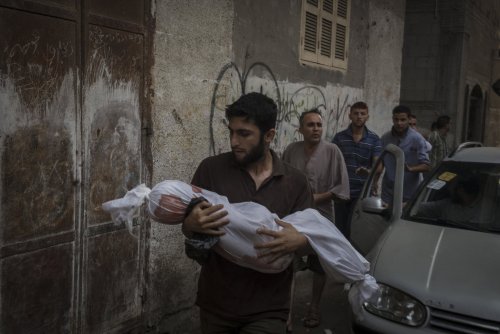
436	184
447	176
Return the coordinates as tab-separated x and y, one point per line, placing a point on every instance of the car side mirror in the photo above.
373	205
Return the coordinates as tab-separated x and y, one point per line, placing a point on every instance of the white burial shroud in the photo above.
167	203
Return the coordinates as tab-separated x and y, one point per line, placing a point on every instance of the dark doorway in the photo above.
474	121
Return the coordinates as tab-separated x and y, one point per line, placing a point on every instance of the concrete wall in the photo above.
482	70
448	47
383	61
192	43
207	53
421	66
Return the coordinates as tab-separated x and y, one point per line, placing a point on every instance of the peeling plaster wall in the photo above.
192	43
383	61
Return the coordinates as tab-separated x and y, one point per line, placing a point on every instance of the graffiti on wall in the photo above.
292	99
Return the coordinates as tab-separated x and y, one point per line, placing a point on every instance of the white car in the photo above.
437	257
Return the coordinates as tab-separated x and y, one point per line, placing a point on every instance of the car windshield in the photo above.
461	195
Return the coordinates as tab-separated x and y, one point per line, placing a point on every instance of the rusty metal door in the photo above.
73	79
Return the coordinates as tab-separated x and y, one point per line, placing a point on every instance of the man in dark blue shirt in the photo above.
360	148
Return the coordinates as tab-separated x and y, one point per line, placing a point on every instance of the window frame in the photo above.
324	33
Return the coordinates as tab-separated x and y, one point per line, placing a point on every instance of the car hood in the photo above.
447	268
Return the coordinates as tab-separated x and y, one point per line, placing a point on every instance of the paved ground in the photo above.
335	309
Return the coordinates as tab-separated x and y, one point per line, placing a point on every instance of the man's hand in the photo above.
362	171
205	218
286	241
374	190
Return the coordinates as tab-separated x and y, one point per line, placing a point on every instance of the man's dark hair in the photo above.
442	121
359	105
311	111
401	110
255	107
412	116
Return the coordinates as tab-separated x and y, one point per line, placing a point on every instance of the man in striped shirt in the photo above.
360	148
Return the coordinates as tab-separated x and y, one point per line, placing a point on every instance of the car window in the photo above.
460	195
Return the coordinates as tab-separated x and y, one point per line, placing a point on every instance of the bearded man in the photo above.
234	299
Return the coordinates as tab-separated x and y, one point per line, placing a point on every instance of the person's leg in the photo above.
264	326
350	209
313	318
289	322
342	217
213	324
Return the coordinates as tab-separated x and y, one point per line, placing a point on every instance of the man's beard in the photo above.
255	154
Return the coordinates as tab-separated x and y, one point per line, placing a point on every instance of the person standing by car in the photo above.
464	204
425	134
415	151
360	148
234	299
324	166
437	138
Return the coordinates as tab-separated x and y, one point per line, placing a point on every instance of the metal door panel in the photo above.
112	115
38	117
128	11
37	291
371	217
60	3
112	136
71	104
113	281
38	94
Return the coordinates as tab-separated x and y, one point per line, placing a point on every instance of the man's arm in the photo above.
379	165
378	149
420	168
323	197
288	239
423	164
205	218
339	179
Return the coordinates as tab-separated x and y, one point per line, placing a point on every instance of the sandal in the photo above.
312	319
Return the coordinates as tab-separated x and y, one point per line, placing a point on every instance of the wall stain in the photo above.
178	119
114	156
